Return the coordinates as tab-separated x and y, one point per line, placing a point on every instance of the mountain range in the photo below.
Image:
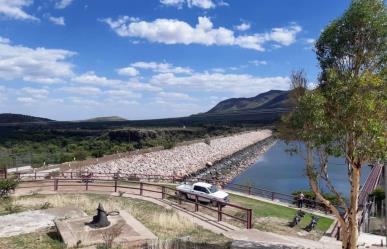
265	108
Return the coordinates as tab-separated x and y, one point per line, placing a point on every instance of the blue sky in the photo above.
76	59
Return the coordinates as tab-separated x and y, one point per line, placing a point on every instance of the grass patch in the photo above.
264	209
46	239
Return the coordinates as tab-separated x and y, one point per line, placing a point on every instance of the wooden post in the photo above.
219	212
56	184
179	196
272	196
71	174
141	187
163	192
115	185
35	175
173	179
87	184
249	190
196	203
249	219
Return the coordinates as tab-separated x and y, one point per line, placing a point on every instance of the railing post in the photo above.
71	175
179	195
196	203
272	196
141	187
163	192
219	212
87	184
173	179
56	184
249	218
35	176
249	190
115	185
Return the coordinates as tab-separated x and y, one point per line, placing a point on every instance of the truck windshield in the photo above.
213	189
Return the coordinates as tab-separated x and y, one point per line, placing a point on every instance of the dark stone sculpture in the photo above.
100	220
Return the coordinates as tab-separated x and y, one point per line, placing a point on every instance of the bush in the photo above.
6	186
207	140
310	198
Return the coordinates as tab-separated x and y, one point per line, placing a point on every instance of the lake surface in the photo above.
281	172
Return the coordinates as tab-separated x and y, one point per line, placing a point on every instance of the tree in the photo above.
345	115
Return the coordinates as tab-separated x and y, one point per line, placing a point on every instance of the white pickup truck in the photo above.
205	191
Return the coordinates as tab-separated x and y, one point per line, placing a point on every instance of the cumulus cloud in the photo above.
61	4
203	4
81	90
92	79
243	26
161	67
173	31
39	65
258	62
174	3
13	9
237	84
127	71
174	96
57	20
36	93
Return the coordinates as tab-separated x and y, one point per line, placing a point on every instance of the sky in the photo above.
146	59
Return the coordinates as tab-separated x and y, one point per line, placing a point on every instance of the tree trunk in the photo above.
353	224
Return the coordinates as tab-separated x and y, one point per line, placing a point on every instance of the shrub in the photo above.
6	186
207	140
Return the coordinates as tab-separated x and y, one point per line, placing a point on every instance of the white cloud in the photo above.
61	4
174	96
26	100
285	36
91	78
122	94
81	90
13	9
174	3
127	71
39	65
57	20
161	67
237	84
203	4
258	62
172	31
36	93
243	26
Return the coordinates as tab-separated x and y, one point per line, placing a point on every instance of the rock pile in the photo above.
182	160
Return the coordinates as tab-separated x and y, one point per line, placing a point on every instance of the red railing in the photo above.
116	185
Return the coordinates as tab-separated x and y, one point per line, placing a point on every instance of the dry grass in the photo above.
165	224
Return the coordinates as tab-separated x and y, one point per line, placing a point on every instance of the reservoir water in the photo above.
281	172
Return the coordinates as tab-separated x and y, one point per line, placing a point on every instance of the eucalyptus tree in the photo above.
345	115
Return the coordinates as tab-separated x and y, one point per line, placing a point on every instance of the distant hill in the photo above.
274	100
105	119
20	118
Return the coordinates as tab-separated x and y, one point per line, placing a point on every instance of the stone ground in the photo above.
31	221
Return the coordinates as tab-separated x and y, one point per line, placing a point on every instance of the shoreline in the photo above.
230	167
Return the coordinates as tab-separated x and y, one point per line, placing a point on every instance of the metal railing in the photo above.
117	185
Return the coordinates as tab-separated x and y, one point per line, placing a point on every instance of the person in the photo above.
301	200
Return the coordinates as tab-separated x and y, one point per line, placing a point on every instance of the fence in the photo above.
271	195
140	188
276	196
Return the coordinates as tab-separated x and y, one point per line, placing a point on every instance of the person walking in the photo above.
301	200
